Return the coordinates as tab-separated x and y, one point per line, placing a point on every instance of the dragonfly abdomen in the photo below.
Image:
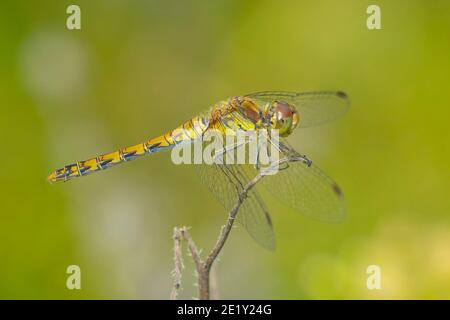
188	131
101	162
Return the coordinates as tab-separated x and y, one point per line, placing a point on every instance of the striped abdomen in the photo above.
191	130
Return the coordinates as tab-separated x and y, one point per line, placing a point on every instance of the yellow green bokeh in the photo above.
139	68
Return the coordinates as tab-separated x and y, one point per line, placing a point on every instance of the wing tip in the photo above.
342	94
337	190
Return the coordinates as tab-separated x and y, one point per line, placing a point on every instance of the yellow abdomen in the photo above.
188	131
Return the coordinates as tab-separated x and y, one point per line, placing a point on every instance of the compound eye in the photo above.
283	114
284	126
283	110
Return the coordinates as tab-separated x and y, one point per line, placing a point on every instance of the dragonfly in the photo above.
299	183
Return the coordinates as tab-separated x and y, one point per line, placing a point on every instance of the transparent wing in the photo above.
303	186
314	108
226	182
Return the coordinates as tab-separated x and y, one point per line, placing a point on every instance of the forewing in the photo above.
314	108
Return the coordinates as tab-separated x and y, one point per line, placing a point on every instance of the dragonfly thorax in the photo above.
283	117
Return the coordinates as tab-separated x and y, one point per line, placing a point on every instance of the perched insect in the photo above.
299	183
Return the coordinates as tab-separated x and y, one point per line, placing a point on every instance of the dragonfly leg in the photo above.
305	160
301	158
293	155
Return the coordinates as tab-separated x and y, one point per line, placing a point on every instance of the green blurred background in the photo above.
139	68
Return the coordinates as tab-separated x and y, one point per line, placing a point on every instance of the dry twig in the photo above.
203	268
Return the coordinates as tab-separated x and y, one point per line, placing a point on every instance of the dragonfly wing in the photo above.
314	108
226	182
304	187
256	219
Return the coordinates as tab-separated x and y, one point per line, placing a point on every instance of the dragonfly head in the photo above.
283	117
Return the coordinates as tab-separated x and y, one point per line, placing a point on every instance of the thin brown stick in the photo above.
203	268
192	248
213	283
178	261
226	229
